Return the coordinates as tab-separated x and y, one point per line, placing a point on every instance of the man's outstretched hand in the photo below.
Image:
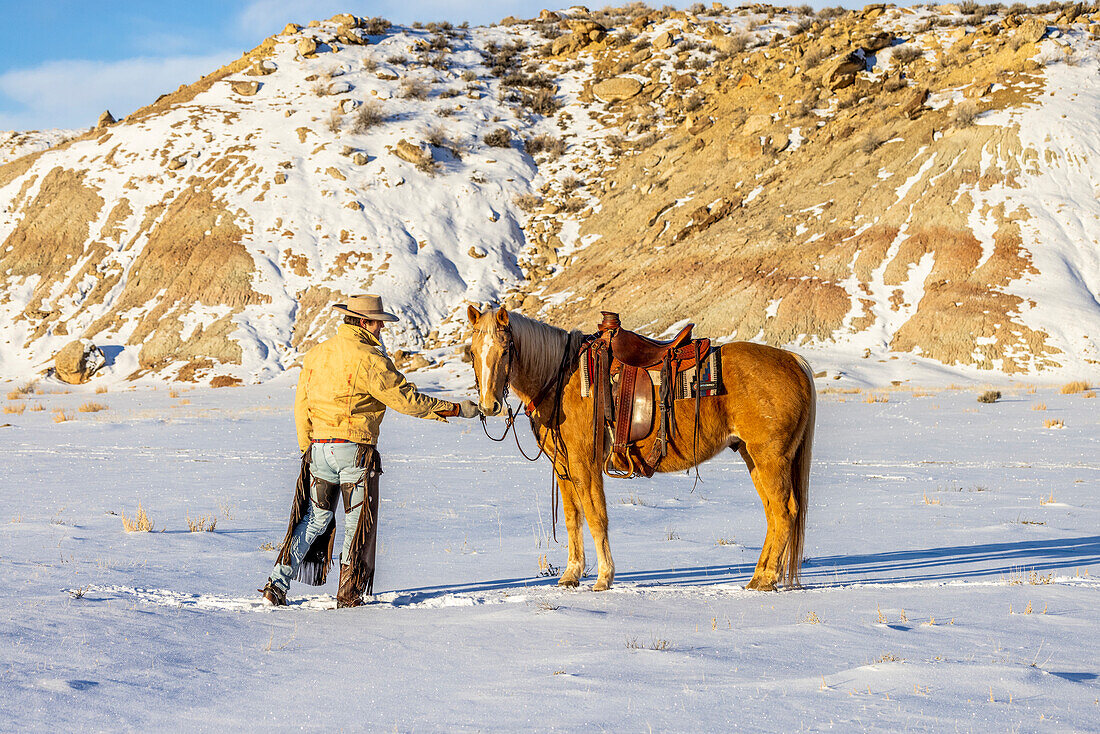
468	409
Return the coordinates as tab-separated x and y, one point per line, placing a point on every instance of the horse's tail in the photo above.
800	481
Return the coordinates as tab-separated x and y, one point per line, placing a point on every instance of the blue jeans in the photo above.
333	463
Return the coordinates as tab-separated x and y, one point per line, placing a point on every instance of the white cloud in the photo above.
74	93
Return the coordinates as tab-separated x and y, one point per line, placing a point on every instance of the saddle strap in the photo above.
601	398
664	413
625	411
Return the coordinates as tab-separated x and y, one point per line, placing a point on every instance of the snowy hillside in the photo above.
897	192
218	230
15	144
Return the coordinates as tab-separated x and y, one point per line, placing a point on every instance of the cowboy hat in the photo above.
365	307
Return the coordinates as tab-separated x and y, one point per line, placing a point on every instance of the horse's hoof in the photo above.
601	585
755	585
569	581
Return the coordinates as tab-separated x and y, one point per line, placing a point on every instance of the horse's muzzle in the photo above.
497	408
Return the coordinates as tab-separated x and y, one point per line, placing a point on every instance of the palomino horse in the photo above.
766	414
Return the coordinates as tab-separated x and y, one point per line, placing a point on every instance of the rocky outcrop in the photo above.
616	89
106	119
1031	30
841	72
245	89
418	155
584	32
307	46
78	361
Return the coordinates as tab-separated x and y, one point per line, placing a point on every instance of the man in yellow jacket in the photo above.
347	382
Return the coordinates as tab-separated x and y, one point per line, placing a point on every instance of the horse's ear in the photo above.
502	316
473	313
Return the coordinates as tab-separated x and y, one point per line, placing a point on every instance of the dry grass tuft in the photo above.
25	389
930	501
873	398
1054	423
369	115
1039	406
632	643
1047	500
91	407
499	138
335	118
902	55
528	202
1089	394
139	524
203	524
101	389
811	618
546	568
1071	388
725	541
15	408
37	407
965	113
634	499
61	416
414	89
989	396
551	145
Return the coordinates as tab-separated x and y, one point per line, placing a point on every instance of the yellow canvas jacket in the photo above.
347	382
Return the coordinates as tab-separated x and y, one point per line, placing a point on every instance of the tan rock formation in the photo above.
1031	30
616	89
663	41
841	72
413	153
307	46
78	361
245	89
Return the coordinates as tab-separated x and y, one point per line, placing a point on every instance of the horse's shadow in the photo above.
949	563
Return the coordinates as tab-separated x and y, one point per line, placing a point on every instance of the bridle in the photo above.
510	354
556	385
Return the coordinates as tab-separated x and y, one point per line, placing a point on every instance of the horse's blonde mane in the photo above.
539	349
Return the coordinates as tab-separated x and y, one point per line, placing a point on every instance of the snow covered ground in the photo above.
952	580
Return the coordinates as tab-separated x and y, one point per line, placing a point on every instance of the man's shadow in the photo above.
949	563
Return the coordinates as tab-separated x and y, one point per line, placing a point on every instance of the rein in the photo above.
512	415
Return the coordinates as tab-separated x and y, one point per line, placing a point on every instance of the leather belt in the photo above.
331	440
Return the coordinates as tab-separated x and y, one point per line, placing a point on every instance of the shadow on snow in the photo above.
951	563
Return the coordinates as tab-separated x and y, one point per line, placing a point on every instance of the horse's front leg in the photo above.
590	488
571	506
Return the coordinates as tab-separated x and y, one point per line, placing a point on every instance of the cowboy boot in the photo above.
273	595
349	595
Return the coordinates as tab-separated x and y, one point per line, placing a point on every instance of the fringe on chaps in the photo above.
314	568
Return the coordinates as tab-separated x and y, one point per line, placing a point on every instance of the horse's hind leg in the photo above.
772	479
571	507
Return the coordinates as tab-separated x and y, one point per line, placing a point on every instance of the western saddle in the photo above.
619	369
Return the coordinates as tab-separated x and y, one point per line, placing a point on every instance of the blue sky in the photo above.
65	61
